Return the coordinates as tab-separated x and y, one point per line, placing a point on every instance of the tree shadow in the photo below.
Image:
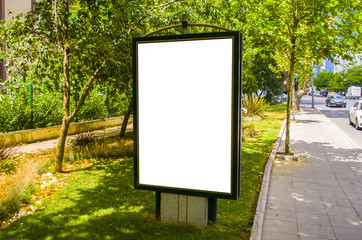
306	121
324	177
351	154
110	208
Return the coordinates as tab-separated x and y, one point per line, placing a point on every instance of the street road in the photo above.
337	115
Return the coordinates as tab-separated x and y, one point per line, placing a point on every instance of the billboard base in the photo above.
184	209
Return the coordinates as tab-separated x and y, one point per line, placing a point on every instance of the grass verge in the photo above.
96	200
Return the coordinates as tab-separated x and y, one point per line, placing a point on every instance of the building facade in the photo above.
16	7
345	64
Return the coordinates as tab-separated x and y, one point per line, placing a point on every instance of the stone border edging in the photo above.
257	228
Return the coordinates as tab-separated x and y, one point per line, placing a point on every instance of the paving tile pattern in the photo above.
320	195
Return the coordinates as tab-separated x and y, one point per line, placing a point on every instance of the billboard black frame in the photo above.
236	113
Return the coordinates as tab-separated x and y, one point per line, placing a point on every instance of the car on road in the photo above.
354	92
335	100
355	115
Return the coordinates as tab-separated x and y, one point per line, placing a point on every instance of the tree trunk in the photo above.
307	81
66	87
293	100
67	118
302	92
58	164
125	119
290	102
289	107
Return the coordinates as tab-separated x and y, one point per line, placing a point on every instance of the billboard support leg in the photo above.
212	210
158	205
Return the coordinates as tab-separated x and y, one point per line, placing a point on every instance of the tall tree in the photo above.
74	44
70	43
323	79
260	78
353	76
305	72
296	29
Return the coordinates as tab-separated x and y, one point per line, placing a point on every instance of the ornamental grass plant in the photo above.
7	156
254	106
17	186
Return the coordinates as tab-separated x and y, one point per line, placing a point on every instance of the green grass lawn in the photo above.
97	200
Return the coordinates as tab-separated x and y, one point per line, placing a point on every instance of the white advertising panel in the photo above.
184	114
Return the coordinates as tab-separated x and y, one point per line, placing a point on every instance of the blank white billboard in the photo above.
184	94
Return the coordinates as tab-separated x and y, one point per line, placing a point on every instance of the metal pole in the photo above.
158	205
185	27
312	93
212	210
107	102
31	106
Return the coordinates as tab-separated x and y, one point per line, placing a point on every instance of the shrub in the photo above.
15	111
103	148
94	107
83	141
254	106
47	107
248	130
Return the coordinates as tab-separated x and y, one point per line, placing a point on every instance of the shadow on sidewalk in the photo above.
324	150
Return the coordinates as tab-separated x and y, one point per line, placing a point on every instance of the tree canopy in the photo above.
72	45
339	81
294	30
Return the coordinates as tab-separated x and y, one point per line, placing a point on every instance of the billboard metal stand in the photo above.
177	202
212	210
158	205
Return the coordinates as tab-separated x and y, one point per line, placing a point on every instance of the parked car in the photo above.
355	115
323	93
335	100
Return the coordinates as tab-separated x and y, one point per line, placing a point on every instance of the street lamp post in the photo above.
312	93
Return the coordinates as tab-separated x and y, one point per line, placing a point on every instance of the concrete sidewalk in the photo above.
320	195
52	143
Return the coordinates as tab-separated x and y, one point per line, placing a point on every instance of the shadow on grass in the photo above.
100	203
107	208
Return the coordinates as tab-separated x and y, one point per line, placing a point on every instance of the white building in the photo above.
345	64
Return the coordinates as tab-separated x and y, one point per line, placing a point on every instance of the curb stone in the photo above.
257	228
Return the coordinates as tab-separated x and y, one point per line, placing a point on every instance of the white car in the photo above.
355	115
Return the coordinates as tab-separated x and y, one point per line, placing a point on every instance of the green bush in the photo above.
15	111
47	107
94	107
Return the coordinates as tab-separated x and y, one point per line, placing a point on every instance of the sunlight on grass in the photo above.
96	198
17	187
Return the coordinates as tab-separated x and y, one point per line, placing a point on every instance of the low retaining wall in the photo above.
41	134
